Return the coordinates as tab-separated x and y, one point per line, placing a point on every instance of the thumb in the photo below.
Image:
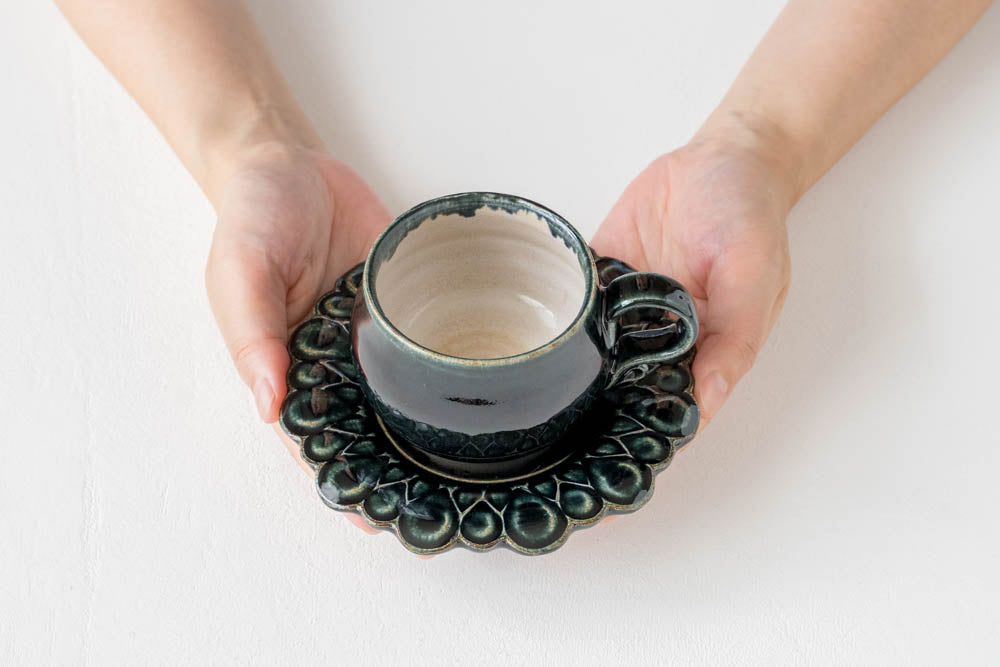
247	295
744	297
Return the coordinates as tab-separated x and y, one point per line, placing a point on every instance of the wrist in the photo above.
265	133
763	140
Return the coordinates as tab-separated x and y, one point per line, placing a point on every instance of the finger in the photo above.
611	241
744	298
621	234
247	296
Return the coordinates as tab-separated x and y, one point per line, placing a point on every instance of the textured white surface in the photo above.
842	509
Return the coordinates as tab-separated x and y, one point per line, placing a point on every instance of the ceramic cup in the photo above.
481	333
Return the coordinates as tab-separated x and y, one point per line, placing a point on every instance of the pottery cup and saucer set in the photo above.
485	379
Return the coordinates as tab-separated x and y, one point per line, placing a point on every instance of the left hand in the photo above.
712	216
291	221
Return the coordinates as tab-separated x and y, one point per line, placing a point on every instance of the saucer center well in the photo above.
493	285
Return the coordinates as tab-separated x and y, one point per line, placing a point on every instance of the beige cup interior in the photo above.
492	285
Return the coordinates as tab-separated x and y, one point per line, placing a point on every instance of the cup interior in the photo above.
480	283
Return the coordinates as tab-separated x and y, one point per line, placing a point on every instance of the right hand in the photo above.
712	215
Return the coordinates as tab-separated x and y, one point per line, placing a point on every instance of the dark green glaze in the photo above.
631	432
472	411
485	446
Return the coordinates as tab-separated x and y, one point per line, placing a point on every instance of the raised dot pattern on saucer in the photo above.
636	428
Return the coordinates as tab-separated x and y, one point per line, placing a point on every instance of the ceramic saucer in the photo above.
606	463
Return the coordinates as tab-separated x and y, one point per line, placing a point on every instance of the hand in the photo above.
291	221
711	215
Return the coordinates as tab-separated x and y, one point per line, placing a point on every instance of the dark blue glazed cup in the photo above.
480	411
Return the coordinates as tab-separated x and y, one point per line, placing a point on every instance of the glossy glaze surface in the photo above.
629	434
508	247
491	285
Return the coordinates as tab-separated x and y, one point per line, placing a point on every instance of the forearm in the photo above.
826	71
201	71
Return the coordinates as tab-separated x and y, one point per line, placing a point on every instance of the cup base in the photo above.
503	470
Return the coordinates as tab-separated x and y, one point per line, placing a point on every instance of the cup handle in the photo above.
646	290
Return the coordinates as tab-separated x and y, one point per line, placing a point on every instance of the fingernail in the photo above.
263	394
715	393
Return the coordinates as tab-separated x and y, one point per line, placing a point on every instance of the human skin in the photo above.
712	213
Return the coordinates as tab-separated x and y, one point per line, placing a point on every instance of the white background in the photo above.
843	507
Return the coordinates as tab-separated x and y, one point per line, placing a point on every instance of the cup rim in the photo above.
496	199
